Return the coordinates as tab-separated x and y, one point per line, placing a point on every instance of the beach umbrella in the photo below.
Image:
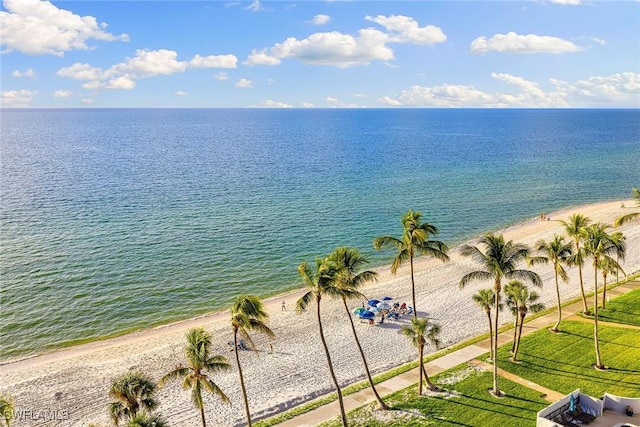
358	310
383	306
387	299
374	309
366	314
373	302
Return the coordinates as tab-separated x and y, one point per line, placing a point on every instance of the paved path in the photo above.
451	360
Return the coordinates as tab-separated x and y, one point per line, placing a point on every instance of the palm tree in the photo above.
573	227
607	266
418	333
200	363
499	261
525	301
144	419
133	392
348	262
247	314
556	252
598	245
621	250
415	239
318	284
6	409
485	300
630	216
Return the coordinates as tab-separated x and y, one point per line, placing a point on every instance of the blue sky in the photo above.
480	54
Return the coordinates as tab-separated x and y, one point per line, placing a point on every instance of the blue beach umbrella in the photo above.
387	299
366	315
358	310
373	309
373	302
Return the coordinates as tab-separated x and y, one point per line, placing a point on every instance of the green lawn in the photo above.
471	405
562	361
622	309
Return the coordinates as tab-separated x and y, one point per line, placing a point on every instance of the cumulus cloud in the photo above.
37	27
346	50
320	19
404	29
244	83
255	6
307	105
517	43
181	93
16	98
62	94
567	2
268	103
221	76
146	63
26	73
617	90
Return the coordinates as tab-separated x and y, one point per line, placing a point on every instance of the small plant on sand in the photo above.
144	419
6	409
414	240
134	393
200	363
247	314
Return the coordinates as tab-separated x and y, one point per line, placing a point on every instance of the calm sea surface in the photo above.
118	219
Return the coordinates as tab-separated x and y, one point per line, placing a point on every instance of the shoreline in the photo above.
77	378
92	342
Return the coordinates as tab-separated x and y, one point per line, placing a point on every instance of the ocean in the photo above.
113	220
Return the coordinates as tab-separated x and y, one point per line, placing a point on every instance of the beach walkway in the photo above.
463	355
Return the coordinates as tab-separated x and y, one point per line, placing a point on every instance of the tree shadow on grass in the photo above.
600	340
494	406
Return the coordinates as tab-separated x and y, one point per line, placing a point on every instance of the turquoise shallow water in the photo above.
119	219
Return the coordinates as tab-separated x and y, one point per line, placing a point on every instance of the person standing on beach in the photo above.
284	305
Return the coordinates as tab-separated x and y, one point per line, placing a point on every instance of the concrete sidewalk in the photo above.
443	363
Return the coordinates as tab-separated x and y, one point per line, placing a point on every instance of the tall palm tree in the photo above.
319	284
630	216
247	314
418	333
414	240
485	299
347	281
200	363
557	252
499	260
6	409
525	301
144	419
598	245
133	392
573	227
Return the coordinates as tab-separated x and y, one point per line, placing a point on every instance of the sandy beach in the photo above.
75	381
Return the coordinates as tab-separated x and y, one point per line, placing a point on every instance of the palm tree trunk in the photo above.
557	325
343	414
496	390
244	390
604	291
204	423
413	286
381	403
585	307
595	318
517	347
490	335
515	334
420	368
431	385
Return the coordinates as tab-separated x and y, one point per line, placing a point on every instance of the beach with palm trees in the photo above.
298	362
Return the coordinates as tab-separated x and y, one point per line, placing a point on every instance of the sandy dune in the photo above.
74	381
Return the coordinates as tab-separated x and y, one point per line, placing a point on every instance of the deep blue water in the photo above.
121	218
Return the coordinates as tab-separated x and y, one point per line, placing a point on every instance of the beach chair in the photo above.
409	310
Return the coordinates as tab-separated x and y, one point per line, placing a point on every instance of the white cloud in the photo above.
181	93
332	100
346	50
36	27
404	29
146	63
26	73
244	83
221	76
516	43
255	6
320	19
16	98
62	94
307	105
567	2
268	103
617	90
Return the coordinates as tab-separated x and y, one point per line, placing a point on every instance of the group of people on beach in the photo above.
544	216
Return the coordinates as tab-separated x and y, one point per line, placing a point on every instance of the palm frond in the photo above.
474	276
303	302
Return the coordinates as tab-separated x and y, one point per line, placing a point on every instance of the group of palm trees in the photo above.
340	275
